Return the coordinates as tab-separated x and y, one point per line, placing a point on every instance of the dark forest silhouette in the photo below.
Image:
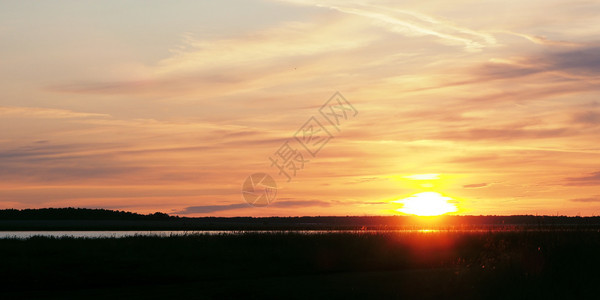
71	213
159	220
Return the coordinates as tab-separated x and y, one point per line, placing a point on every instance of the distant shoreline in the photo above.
101	219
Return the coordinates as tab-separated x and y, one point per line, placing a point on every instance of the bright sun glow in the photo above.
423	177
427	204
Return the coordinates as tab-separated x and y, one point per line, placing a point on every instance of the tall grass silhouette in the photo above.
494	264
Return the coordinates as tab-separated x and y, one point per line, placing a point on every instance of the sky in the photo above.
152	106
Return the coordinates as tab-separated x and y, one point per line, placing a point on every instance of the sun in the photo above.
427	204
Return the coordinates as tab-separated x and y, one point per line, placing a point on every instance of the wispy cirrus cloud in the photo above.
595	198
583	61
206	209
541	40
410	23
281	203
590	179
41	112
476	185
478	134
587	117
216	67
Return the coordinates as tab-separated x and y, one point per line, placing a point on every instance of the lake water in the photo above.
100	234
121	234
167	233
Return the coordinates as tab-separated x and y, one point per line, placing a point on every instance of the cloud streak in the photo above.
411	23
590	179
281	203
595	198
476	185
40	112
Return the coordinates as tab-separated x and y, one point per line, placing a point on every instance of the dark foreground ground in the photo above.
429	265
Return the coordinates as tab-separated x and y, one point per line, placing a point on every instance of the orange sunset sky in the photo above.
157	106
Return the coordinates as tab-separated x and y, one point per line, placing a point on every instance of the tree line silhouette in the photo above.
71	213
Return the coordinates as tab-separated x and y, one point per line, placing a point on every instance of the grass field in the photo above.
498	265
